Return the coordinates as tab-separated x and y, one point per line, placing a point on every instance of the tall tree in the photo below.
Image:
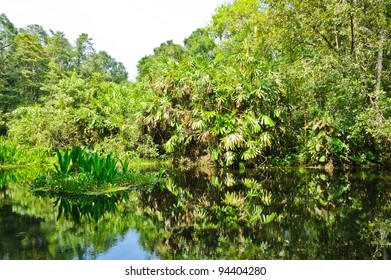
83	50
30	60
59	52
8	94
333	54
200	43
110	70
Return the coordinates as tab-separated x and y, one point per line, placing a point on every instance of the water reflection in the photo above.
77	207
263	214
128	248
42	226
272	214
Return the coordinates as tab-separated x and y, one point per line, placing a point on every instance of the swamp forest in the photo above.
265	135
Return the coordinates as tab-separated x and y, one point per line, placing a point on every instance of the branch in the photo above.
3	47
329	44
352	34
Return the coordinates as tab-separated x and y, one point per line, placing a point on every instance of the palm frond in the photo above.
251	153
266	120
232	141
265	139
253	124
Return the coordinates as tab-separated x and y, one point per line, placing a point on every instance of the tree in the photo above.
273	79
30	60
110	70
38	31
147	66
83	50
200	43
333	51
59	52
214	100
8	94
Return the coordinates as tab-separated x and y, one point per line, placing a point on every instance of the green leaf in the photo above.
266	120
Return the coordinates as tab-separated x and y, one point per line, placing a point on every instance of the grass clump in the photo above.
80	171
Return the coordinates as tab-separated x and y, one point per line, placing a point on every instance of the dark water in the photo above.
265	214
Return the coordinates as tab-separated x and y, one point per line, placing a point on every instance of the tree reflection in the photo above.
263	214
270	214
39	226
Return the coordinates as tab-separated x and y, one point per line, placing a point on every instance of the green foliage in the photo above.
125	165
221	105
102	169
7	153
262	79
12	154
63	162
200	44
79	171
81	113
323	144
264	82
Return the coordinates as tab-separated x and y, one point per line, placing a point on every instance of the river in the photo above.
271	213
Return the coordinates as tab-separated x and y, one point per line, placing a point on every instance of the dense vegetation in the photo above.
81	171
266	82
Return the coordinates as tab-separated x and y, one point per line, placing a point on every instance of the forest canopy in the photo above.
265	82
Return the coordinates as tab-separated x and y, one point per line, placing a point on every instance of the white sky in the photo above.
126	29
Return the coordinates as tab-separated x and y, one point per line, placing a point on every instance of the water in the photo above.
292	213
128	248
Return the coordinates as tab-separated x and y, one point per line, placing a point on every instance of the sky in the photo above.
126	29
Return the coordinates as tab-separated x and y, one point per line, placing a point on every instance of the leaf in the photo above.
265	139
229	158
266	120
322	159
171	144
250	153
253	123
269	218
198	125
233	141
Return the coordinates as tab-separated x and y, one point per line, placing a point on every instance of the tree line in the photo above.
265	82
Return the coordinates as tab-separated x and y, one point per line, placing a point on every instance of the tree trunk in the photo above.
379	68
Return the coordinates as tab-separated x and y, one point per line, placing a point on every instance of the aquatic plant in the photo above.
125	165
77	160
64	162
79	170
